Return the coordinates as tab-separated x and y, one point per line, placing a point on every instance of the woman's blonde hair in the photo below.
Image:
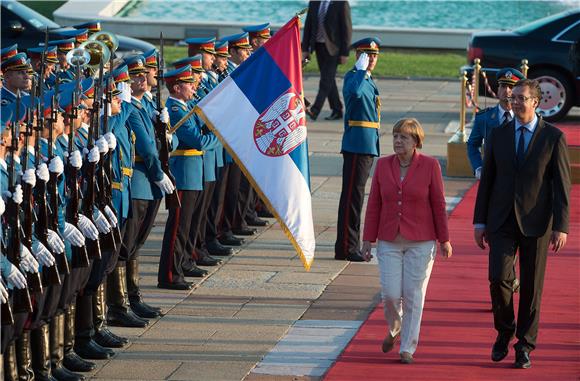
412	127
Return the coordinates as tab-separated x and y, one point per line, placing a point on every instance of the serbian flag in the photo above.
258	114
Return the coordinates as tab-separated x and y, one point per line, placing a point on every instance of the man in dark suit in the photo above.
327	31
522	204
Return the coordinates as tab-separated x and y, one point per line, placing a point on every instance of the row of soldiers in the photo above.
87	154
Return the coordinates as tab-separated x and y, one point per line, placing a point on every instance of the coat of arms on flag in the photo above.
258	114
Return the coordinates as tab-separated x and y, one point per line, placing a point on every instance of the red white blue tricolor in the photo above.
258	114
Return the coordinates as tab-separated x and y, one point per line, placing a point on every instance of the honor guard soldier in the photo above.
50	62
92	27
205	47
187	166
149	101
360	145
16	77
258	34
492	117
65	74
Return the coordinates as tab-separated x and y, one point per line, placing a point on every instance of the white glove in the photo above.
478	173
29	177
94	155
125	92
101	143
101	222
363	62
16	196
2	206
55	242
15	278
43	256
73	235
42	172
27	262
111	140
87	227
110	216
165	184
75	159
56	165
164	116
3	294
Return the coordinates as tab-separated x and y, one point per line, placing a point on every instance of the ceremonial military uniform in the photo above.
360	144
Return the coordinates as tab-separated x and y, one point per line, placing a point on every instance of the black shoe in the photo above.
355	257
144	311
175	285
63	374
500	348
312	114
230	240
216	248
265	213
74	362
105	338
93	351
255	221
207	260
195	272
522	360
244	231
336	115
516	285
125	319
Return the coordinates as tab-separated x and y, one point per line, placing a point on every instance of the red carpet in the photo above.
572	132
457	330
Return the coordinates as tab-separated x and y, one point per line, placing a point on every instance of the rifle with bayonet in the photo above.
172	199
6	311
21	297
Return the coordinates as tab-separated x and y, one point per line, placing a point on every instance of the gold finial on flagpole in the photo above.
301	12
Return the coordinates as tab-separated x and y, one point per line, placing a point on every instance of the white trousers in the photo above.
405	267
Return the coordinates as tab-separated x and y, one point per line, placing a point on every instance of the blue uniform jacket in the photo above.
186	162
122	161
362	114
483	123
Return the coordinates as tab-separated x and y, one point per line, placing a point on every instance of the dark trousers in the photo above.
138	227
231	200
355	173
327	87
245	203
199	221
503	245
103	266
216	208
175	238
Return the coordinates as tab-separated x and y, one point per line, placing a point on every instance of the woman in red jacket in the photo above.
406	213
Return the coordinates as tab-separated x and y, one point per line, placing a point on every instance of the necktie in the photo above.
320	34
521	151
506	117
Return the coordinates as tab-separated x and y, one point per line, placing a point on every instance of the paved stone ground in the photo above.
260	316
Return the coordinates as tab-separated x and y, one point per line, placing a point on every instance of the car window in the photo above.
570	35
32	17
525	29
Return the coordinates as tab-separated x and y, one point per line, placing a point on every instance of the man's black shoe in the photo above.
312	114
523	360
63	374
256	221
336	115
92	351
265	213
230	240
144	311
74	362
355	257
207	260
500	348
195	272
125	319
244	231
106	339
216	248
174	285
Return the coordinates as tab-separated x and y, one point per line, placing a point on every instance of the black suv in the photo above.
552	47
26	27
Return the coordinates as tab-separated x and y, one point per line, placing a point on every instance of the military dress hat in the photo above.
183	74
121	74
150	58
222	48
8	52
136	65
197	45
240	40
369	45
194	62
50	56
91	26
63	46
16	63
67	89
80	35
262	30
509	76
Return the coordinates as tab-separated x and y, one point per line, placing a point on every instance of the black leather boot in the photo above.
39	342
23	354
138	306
57	351
86	323
118	314
102	335
10	366
72	361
